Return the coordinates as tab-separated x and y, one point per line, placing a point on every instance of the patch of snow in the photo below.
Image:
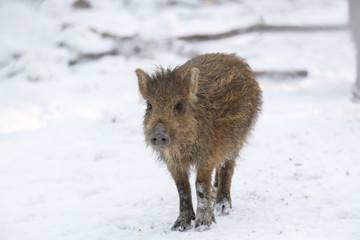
73	161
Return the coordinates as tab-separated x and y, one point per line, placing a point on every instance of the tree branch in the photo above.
263	28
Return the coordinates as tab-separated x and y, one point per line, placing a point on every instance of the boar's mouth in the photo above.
159	137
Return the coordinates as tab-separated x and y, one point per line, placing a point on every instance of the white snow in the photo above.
73	161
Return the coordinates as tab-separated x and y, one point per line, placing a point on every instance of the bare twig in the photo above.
262	28
83	57
282	74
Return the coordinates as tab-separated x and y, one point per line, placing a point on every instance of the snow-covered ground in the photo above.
73	163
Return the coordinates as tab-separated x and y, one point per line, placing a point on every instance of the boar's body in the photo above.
200	113
228	102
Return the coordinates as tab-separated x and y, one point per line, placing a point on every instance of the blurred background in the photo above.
73	162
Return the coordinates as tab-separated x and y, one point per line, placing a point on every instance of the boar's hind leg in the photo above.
183	222
224	175
204	211
216	179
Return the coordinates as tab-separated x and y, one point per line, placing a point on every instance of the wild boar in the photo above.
200	114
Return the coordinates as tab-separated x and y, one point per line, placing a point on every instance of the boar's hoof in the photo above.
222	208
181	224
202	227
203	222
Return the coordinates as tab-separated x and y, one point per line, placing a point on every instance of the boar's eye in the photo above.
179	106
148	106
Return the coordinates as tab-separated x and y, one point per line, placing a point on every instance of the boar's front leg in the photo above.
223	177
183	222
204	211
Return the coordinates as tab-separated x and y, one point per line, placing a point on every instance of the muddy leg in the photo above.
186	211
223	198
204	211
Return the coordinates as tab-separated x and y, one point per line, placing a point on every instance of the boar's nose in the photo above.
159	137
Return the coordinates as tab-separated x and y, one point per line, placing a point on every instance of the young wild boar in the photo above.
200	114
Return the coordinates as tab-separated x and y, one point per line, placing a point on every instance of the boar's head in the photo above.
170	97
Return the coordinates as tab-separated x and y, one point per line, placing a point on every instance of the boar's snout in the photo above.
159	137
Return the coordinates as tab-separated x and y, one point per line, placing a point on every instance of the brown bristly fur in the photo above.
220	102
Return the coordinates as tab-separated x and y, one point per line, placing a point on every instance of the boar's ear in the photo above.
193	84
143	79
